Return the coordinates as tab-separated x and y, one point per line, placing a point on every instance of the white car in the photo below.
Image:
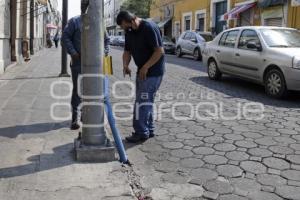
266	55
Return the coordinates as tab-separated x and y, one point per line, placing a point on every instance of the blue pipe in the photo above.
112	123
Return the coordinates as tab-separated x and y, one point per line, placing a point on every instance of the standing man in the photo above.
143	42
71	40
56	39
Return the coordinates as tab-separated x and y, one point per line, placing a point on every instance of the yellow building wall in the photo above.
294	16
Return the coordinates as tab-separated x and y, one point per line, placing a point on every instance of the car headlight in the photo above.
296	62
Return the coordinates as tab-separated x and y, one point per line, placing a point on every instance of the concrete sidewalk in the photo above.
36	158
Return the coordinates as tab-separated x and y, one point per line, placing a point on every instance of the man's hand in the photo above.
143	73
126	70
75	57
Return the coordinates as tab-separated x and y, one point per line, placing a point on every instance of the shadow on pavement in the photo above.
237	88
14	131
61	156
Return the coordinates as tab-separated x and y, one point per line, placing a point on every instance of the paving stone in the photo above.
296	167
288	192
242	149
193	143
268	141
202	175
294	183
253	167
246	144
172	145
173	159
210	195
254	158
185	136
252	135
204	133
203	150
215	159
264	196
260	152
284	140
268	188
295	147
271	180
287	131
213	139
224	147
166	166
175	178
291	174
276	163
244	186
158	156
233	162
232	197
219	187
281	150
250	175
237	156
295	159
181	153
191	163
222	130
229	171
274	171
221	153
234	137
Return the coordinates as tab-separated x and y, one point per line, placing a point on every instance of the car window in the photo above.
193	36
231	39
246	37
188	36
223	38
207	38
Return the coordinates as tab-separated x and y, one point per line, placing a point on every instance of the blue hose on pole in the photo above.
112	123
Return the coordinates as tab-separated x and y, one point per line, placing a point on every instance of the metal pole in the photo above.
93	144
64	58
31	26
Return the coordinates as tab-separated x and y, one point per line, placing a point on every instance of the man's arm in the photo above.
106	43
66	39
126	61
154	41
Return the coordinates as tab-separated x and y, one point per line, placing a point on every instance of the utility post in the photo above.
31	27
64	57
93	145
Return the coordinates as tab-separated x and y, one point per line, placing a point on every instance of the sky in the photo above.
74	7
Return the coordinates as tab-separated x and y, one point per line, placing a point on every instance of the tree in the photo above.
140	8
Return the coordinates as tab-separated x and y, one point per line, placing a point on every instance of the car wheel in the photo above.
197	54
178	52
213	70
275	85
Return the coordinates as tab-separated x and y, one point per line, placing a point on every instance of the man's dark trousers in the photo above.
75	101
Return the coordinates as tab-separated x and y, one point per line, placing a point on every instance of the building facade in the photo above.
22	29
111	10
177	16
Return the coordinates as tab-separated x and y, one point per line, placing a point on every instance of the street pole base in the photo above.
84	153
64	75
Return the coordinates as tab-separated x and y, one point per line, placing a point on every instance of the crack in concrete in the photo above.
135	183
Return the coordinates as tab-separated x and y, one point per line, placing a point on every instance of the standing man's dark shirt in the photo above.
141	44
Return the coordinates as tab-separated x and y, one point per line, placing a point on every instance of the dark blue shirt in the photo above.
141	44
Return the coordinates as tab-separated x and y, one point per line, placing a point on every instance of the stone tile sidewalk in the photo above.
36	158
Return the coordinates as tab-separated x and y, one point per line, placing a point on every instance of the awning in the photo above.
51	26
163	23
268	3
235	12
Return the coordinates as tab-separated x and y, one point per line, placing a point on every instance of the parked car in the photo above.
169	46
192	43
266	55
118	41
111	38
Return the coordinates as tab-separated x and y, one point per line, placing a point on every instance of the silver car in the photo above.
192	43
266	55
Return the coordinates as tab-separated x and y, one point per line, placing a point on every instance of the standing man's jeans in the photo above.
75	101
143	120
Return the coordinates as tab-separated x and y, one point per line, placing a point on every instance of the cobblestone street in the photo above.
227	159
191	159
